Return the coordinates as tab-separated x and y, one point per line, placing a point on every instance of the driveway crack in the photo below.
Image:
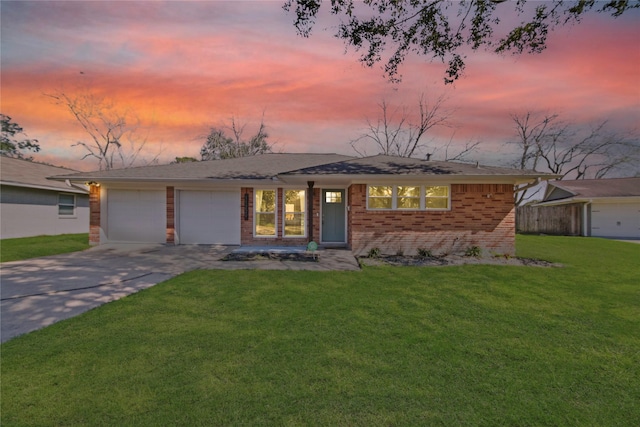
76	289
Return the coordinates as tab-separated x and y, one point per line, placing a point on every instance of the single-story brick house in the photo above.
606	207
32	205
391	203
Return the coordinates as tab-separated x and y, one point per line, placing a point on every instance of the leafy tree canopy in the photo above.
442	29
11	147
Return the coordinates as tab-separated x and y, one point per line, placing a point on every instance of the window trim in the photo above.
255	214
72	215
284	214
423	198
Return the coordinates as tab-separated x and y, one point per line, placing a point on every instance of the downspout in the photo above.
310	210
586	223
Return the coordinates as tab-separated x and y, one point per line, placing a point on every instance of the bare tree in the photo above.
113	133
546	144
403	132
453	152
220	146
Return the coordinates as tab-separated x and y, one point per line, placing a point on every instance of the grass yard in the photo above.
469	345
32	247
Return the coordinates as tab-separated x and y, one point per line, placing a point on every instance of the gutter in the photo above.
586	225
577	199
535	182
75	189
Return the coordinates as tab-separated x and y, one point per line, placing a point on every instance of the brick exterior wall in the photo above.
171	215
316	214
94	215
474	220
246	226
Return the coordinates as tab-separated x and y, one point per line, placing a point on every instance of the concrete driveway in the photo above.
38	292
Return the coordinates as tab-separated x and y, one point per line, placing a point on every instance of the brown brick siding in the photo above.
316	214
171	215
94	215
474	220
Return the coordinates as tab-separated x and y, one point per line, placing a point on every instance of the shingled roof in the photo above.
259	167
23	173
292	167
392	165
593	188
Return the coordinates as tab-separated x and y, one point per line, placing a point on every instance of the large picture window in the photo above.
66	204
408	197
294	212
265	213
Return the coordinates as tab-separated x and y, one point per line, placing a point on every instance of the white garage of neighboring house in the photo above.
609	207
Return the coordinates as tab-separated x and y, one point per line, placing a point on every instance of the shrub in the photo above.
373	253
424	253
473	251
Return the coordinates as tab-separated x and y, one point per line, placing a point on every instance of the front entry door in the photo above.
333	216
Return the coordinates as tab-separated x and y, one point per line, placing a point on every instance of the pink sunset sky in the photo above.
184	67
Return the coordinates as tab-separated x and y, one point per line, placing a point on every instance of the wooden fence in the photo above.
562	220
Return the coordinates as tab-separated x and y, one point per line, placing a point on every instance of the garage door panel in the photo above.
615	220
209	217
136	216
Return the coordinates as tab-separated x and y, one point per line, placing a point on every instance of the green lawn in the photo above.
32	247
471	345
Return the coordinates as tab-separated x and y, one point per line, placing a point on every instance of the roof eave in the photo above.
68	189
570	200
448	178
121	180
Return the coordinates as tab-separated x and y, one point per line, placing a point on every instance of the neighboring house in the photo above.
605	207
390	203
32	205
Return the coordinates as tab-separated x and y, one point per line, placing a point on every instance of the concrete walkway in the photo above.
38	292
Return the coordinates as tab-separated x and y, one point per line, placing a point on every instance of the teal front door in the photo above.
333	216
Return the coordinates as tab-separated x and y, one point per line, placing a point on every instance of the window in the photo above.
437	197
333	197
408	197
66	204
294	212
380	197
265	213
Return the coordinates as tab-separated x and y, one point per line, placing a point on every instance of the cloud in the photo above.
186	67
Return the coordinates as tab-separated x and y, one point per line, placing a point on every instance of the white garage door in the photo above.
209	217
615	220
136	216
